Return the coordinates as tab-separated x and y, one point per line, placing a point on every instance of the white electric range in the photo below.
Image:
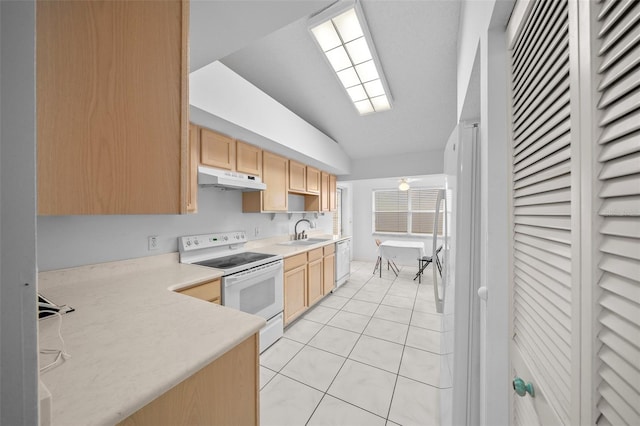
251	282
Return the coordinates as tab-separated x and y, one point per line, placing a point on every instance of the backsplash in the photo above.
68	241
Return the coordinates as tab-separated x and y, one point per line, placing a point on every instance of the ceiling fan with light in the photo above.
404	183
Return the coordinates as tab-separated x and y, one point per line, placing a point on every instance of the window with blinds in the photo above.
619	155
541	182
405	212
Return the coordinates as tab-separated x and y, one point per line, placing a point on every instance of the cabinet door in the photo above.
275	171
194	158
324	192
209	291
297	176
314	282
295	293
248	159
333	192
112	125
217	150
313	180
329	274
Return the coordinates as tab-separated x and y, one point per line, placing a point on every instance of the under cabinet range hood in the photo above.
208	176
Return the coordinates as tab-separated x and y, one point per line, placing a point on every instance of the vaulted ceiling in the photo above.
268	43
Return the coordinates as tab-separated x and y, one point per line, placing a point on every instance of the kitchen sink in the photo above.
305	242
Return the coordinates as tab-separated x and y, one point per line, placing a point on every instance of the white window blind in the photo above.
619	155
407	212
541	198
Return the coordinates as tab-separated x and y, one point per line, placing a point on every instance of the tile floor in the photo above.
368	354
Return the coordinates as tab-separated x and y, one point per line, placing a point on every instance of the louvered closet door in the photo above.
541	189
619	154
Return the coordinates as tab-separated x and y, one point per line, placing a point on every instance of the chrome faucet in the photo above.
301	235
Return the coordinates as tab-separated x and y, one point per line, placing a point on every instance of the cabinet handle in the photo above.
523	388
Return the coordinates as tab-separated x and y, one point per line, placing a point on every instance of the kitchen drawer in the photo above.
209	291
295	261
314	254
330	249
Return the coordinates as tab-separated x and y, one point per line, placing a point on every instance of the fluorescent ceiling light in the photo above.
404	185
346	43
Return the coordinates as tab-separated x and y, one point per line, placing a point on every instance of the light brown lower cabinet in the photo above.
329	270
314	276
209	291
295	292
225	392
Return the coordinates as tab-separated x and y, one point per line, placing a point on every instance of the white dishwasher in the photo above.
343	261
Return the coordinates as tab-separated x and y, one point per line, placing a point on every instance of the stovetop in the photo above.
223	251
234	260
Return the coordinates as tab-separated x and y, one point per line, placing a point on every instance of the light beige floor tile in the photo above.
403	290
265	376
425	320
360	307
392	313
398	301
369	296
378	353
424	339
421	365
364	386
388	330
349	321
424	305
287	402
313	367
302	330
333	411
334	301
320	314
280	353
343	291
335	340
415	403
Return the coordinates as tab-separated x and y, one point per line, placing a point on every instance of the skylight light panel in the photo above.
327	36
358	50
348	26
343	36
338	58
348	77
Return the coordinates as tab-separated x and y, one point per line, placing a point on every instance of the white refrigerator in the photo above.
456	291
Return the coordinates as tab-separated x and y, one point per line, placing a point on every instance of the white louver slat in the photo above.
619	143
541	182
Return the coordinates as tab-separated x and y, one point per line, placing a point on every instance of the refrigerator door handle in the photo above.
439	301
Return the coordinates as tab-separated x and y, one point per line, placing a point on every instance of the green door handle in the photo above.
523	388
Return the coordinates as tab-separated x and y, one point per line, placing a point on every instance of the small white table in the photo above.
391	250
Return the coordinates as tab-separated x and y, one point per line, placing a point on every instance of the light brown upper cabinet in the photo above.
275	174
217	150
324	192
112	107
194	159
297	177
248	159
333	193
313	180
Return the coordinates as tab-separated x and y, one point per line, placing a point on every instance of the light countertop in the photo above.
274	245
130	338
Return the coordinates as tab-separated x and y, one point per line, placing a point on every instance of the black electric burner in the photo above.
234	260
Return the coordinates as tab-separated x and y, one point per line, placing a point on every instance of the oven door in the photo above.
257	291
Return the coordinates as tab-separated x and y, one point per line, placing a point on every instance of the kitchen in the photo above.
477	89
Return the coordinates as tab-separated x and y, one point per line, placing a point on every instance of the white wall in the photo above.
219	91
67	241
404	164
18	323
364	247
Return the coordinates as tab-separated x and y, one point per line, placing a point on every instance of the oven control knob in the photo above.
196	242
188	243
226	238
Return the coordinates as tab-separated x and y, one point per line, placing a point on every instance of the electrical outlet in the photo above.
257	231
153	242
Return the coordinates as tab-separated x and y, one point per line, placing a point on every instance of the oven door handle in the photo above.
259	271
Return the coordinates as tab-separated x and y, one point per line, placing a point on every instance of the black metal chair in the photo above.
424	261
